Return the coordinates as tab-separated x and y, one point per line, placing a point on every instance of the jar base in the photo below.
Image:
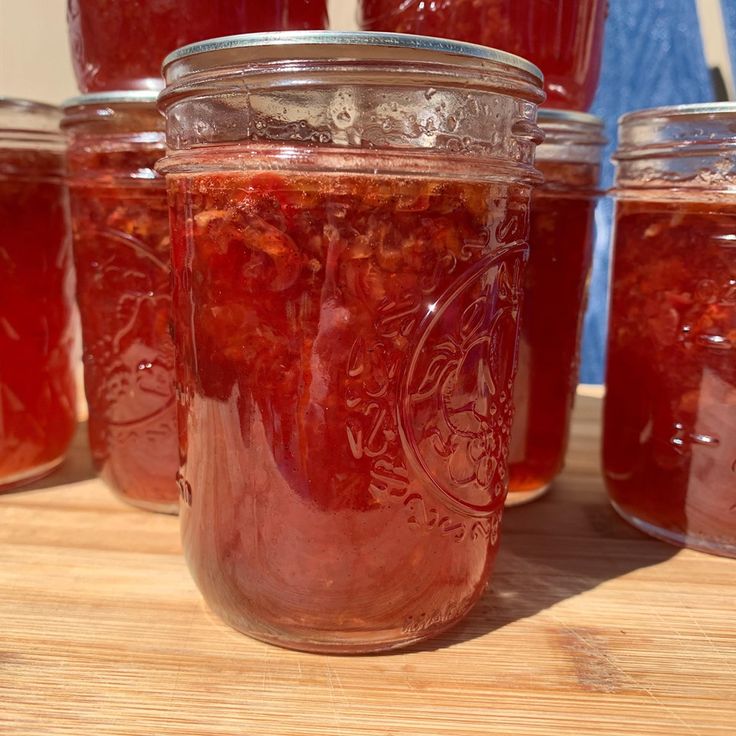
341	642
690	541
17	480
343	646
518	498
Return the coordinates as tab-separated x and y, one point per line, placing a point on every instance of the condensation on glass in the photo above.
37	390
348	247
120	228
670	414
561	243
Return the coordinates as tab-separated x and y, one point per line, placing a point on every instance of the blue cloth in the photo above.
729	17
653	55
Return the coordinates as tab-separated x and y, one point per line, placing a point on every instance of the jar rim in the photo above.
354	40
548	114
705	129
22	116
695	109
116	96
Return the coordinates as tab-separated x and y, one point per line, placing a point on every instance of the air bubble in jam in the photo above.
353	417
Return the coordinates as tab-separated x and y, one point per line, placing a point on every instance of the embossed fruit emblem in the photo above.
457	408
130	358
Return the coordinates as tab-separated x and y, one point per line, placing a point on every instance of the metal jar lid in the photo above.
333	45
550	116
381	93
118	97
569	136
117	111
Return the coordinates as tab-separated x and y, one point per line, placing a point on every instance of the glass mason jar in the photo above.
563	37
120	227
348	241
561	245
670	414
37	394
120	44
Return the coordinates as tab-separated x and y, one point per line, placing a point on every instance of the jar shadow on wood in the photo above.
77	466
566	544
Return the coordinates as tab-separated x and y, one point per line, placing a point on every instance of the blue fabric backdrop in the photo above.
653	56
729	12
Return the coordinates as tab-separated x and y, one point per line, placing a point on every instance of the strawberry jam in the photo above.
669	443
561	240
121	248
346	351
37	395
564	38
120	44
670	420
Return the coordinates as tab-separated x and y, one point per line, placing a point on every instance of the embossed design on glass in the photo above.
124	297
121	245
37	392
346	314
670	419
457	404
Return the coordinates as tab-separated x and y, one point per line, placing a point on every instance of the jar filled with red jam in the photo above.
120	44
561	243
120	228
348	246
37	396
670	413
563	37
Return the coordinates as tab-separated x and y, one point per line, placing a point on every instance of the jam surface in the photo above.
670	414
122	255
121	44
346	350
560	251
564	38
37	396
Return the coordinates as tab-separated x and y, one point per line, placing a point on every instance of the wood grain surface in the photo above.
588	628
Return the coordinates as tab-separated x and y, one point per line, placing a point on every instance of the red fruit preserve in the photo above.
561	240
346	302
564	38
670	418
37	396
120	44
121	248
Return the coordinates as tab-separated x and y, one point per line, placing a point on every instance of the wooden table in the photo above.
589	628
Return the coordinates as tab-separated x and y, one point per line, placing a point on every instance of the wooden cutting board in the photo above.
589	628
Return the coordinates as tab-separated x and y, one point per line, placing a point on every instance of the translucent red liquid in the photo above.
121	249
564	38
37	396
346	350
120	44
670	414
561	239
